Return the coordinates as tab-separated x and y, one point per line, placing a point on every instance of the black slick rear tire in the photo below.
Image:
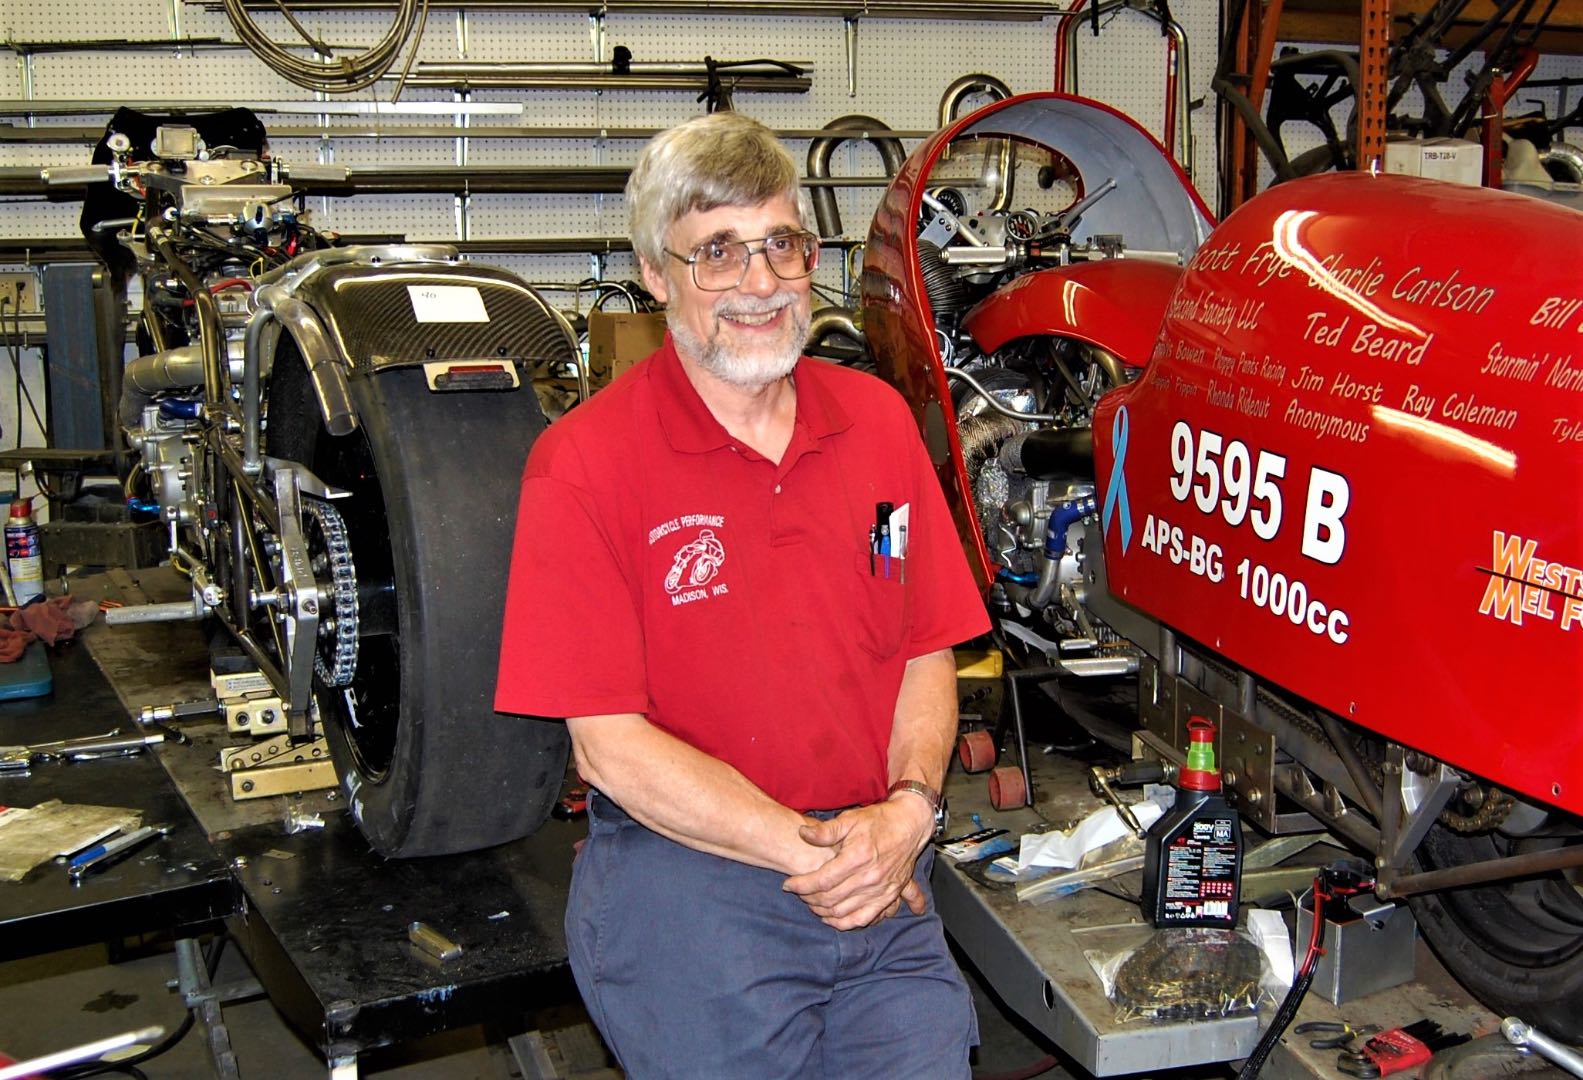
433	770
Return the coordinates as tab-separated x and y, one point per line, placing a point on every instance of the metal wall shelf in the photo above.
999	10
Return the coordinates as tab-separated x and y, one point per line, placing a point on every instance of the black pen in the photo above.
872	545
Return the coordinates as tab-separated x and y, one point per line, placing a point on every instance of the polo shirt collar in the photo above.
691	428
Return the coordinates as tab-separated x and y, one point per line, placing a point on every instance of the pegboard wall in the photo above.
901	69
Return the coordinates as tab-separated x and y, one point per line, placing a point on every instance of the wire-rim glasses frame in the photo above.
721	265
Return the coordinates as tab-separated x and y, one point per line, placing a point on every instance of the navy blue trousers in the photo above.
698	967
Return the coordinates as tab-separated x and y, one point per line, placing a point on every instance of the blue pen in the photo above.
882	512
110	849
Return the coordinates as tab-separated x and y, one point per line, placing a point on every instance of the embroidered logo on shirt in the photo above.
695	566
696	562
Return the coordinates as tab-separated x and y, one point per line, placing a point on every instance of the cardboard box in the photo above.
1459	161
619	339
1404	156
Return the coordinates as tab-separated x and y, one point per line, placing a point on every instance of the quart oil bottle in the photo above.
1192	861
24	560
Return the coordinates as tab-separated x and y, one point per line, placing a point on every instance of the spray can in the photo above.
23	555
1192	858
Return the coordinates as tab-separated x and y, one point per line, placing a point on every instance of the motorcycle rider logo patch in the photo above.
694	566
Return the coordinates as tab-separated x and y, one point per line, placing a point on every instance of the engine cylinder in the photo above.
946	290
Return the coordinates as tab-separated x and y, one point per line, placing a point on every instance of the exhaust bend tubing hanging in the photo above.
842	129
1178	73
951	103
839	321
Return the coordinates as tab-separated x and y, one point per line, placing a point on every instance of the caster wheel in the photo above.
1006	788
976	751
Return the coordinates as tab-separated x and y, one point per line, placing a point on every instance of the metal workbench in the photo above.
1033	954
319	916
176	884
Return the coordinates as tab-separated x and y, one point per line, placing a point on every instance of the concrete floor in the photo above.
61	999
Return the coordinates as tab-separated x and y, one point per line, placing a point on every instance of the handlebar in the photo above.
77	175
74	175
319	173
1067	220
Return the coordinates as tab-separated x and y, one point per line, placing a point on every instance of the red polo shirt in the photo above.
662	567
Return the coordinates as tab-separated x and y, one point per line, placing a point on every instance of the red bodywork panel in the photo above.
1410	349
1116	304
899	322
1353	466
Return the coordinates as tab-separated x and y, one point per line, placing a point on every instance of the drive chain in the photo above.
335	660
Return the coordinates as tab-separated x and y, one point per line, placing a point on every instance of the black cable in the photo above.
43	430
1294	997
211	963
131	1070
10	345
717	94
14	348
1335	882
99	1068
828	294
1272	1035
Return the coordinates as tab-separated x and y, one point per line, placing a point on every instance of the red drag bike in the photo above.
1312	472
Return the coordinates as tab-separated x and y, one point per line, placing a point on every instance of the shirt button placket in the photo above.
775	513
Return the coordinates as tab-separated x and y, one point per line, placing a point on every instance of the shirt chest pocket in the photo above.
883	604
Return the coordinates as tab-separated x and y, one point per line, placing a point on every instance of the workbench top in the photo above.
173	883
319	915
1034	953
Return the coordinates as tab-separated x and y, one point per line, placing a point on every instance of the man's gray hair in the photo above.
722	159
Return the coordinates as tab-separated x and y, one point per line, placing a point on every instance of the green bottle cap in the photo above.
1201	773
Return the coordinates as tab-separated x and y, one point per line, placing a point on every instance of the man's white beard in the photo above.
754	370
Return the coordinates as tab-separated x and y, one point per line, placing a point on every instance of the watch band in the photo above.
917	787
924	791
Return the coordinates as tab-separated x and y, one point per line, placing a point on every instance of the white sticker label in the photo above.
447	303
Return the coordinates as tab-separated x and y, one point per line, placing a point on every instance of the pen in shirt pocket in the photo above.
899	548
882	512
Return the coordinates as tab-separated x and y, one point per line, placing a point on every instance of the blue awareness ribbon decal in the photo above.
1116	496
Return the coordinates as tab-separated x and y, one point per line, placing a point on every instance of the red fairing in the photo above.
1353	465
1101	143
897	322
1117	305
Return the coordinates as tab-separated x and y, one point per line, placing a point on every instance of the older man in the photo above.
755	669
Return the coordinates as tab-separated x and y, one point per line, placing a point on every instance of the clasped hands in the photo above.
870	854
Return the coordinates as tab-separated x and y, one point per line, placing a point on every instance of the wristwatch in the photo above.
935	800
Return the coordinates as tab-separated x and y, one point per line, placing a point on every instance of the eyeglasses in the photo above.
719	265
